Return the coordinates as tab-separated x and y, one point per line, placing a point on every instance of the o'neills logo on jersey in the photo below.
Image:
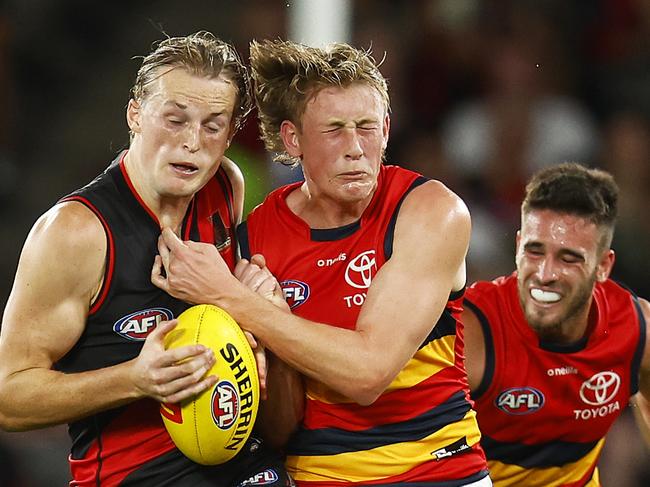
138	325
520	400
598	392
295	292
225	405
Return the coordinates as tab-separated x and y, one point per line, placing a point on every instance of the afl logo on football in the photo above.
360	270
600	388
225	405
520	400
138	325
295	292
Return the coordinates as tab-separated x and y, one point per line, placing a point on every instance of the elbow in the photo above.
11	424
368	388
11	420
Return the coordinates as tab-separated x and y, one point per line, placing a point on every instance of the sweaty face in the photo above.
341	141
558	262
181	130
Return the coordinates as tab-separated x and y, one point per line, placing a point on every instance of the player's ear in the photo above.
605	265
133	116
517	240
386	130
290	138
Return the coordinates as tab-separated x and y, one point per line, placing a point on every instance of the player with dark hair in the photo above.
555	350
82	333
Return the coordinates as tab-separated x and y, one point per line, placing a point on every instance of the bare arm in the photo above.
409	293
59	273
474	348
642	398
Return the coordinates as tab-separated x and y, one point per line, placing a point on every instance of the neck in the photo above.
322	212
578	326
169	211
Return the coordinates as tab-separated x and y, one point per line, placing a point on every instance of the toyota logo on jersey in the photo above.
138	325
600	388
360	270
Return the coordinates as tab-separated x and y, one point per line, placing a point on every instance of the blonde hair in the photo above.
286	75
201	54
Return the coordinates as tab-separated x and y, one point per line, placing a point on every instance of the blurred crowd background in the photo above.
484	92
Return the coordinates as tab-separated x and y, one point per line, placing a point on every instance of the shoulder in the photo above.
645	311
236	178
434	212
485	296
233	172
70	220
68	232
65	252
645	333
434	199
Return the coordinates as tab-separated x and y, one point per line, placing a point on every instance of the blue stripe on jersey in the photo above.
543	455
445	326
449	483
332	441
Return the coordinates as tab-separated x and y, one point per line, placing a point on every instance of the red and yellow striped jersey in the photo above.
422	428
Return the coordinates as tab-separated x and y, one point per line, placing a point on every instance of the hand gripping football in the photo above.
213	426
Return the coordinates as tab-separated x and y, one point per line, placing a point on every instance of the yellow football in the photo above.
212	427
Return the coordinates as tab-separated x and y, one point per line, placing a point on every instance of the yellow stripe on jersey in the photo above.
506	475
389	460
429	360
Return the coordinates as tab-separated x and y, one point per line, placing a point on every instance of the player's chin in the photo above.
356	190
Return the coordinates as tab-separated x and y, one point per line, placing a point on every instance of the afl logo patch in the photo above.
520	400
138	325
295	292
265	477
225	405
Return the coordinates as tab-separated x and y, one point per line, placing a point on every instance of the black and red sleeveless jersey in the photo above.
543	408
422	429
114	446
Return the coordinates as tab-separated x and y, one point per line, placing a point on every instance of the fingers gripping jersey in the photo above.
422	428
121	446
565	398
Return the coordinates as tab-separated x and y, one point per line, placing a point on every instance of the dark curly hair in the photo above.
574	189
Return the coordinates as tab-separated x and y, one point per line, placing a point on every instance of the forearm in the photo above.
36	398
347	364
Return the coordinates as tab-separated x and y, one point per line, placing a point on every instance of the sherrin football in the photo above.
213	426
